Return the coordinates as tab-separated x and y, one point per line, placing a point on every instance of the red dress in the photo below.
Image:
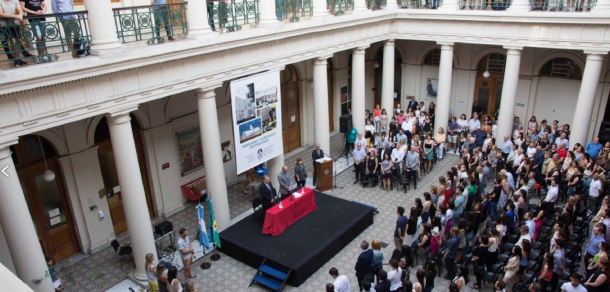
447	195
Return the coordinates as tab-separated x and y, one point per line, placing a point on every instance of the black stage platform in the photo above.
306	245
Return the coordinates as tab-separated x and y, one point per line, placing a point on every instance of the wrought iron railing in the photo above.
139	23
232	14
484	4
375	4
563	5
338	7
293	9
420	4
48	36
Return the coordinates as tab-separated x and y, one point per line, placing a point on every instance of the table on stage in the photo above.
277	220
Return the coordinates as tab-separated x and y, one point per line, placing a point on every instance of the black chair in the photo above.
405	180
122	251
257	203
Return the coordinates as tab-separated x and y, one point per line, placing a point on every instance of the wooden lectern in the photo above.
324	172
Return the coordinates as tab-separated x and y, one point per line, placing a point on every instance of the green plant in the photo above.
38	281
97	274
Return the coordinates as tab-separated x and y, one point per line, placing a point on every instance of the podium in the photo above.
324	174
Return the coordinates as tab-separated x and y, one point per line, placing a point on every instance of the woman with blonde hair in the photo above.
190	286
440	143
151	273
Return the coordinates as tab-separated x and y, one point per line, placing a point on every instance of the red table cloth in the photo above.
277	220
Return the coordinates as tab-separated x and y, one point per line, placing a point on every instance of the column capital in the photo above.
596	55
445	43
319	61
513	48
4	145
203	92
121	115
359	50
389	42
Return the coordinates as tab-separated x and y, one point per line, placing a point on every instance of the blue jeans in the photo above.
493	209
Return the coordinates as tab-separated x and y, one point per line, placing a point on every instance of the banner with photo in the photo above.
257	118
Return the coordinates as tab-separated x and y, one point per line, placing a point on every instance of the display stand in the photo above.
324	174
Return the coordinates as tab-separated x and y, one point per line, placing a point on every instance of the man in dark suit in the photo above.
413	104
384	284
385	148
315	155
268	193
363	265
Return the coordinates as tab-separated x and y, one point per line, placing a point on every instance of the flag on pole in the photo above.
213	226
203	234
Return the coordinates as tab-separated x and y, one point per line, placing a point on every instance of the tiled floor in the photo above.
102	271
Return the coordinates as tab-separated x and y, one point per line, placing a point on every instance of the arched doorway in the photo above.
291	109
488	90
331	92
47	200
110	177
379	77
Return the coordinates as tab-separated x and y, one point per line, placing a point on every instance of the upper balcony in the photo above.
69	41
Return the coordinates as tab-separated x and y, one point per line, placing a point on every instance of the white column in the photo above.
443	95
19	229
390	4
197	17
387	77
274	166
320	102
102	26
519	6
132	188
320	10
449	5
268	17
586	99
214	167
601	7
360	6
509	94
358	88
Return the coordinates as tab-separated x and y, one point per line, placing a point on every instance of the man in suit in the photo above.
384	284
363	265
413	104
315	155
385	148
267	193
285	182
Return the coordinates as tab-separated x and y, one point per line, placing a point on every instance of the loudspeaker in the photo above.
164	227
345	123
604	132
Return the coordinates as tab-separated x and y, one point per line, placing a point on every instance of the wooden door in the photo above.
111	180
291	117
488	92
50	210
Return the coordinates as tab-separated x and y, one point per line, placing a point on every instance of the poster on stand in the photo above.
257	116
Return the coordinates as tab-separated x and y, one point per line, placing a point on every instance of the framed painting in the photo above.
188	147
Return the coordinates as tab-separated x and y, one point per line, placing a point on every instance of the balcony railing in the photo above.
139	23
563	5
420	4
232	14
48	36
293	9
338	7
375	4
484	4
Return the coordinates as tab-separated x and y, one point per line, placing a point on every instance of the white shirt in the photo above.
522	237
531	152
564	141
518	159
569	288
397	154
184	243
474	125
494	131
532	227
551	195
341	284
407	125
461	123
394	277
594	188
369	128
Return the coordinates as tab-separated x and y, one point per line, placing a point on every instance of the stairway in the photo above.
270	277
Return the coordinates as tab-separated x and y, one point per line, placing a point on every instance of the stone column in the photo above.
449	5
586	99
443	95
102	26
132	188
214	167
320	10
320	102
387	78
268	17
518	6
360	6
19	229
509	94
358	88
197	17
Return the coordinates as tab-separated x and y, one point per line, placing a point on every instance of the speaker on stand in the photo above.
345	123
